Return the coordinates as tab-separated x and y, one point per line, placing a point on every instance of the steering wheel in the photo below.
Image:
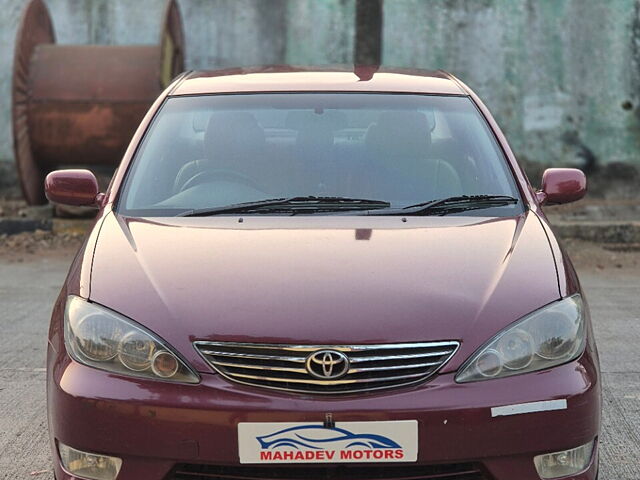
219	174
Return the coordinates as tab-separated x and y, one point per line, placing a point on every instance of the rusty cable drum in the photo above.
81	104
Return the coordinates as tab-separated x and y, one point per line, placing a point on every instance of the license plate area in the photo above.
347	442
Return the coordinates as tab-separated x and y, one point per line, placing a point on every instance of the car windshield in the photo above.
363	150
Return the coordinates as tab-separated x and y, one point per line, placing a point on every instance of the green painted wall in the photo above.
320	32
561	76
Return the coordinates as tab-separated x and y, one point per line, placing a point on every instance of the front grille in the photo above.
287	367
454	471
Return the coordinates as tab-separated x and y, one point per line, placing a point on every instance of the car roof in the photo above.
308	79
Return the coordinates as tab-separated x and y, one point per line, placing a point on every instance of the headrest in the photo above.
400	134
231	136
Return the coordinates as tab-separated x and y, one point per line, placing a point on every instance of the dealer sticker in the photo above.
346	442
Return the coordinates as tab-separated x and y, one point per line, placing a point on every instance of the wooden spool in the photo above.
80	104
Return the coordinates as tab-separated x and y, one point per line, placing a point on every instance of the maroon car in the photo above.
321	274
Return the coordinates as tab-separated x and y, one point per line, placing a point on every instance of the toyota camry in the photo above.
321	274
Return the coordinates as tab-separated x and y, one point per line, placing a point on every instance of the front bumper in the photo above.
153	426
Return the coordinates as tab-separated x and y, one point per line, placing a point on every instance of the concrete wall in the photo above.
561	76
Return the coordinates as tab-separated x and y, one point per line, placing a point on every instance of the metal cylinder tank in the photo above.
80	104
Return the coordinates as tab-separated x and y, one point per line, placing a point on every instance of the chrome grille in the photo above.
284	367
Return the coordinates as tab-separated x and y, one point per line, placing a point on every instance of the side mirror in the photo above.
562	185
72	187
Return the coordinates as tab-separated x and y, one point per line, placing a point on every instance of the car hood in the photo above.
324	280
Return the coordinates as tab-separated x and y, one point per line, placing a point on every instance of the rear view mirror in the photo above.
562	185
72	187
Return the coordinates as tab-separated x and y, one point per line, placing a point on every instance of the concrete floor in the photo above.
614	297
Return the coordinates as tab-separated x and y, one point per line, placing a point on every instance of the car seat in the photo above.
399	162
233	142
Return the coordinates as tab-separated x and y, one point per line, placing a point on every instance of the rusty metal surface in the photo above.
79	105
100	73
35	29
86	101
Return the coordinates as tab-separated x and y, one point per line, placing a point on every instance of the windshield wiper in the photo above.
291	204
444	206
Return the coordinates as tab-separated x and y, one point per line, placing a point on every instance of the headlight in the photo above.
103	339
545	338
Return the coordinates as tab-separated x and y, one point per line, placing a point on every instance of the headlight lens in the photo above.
135	350
96	338
101	338
545	338
516	349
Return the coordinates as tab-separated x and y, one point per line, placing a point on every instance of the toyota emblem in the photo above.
327	364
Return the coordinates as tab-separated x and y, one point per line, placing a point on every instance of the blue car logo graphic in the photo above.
318	437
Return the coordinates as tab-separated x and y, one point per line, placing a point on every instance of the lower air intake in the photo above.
454	471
